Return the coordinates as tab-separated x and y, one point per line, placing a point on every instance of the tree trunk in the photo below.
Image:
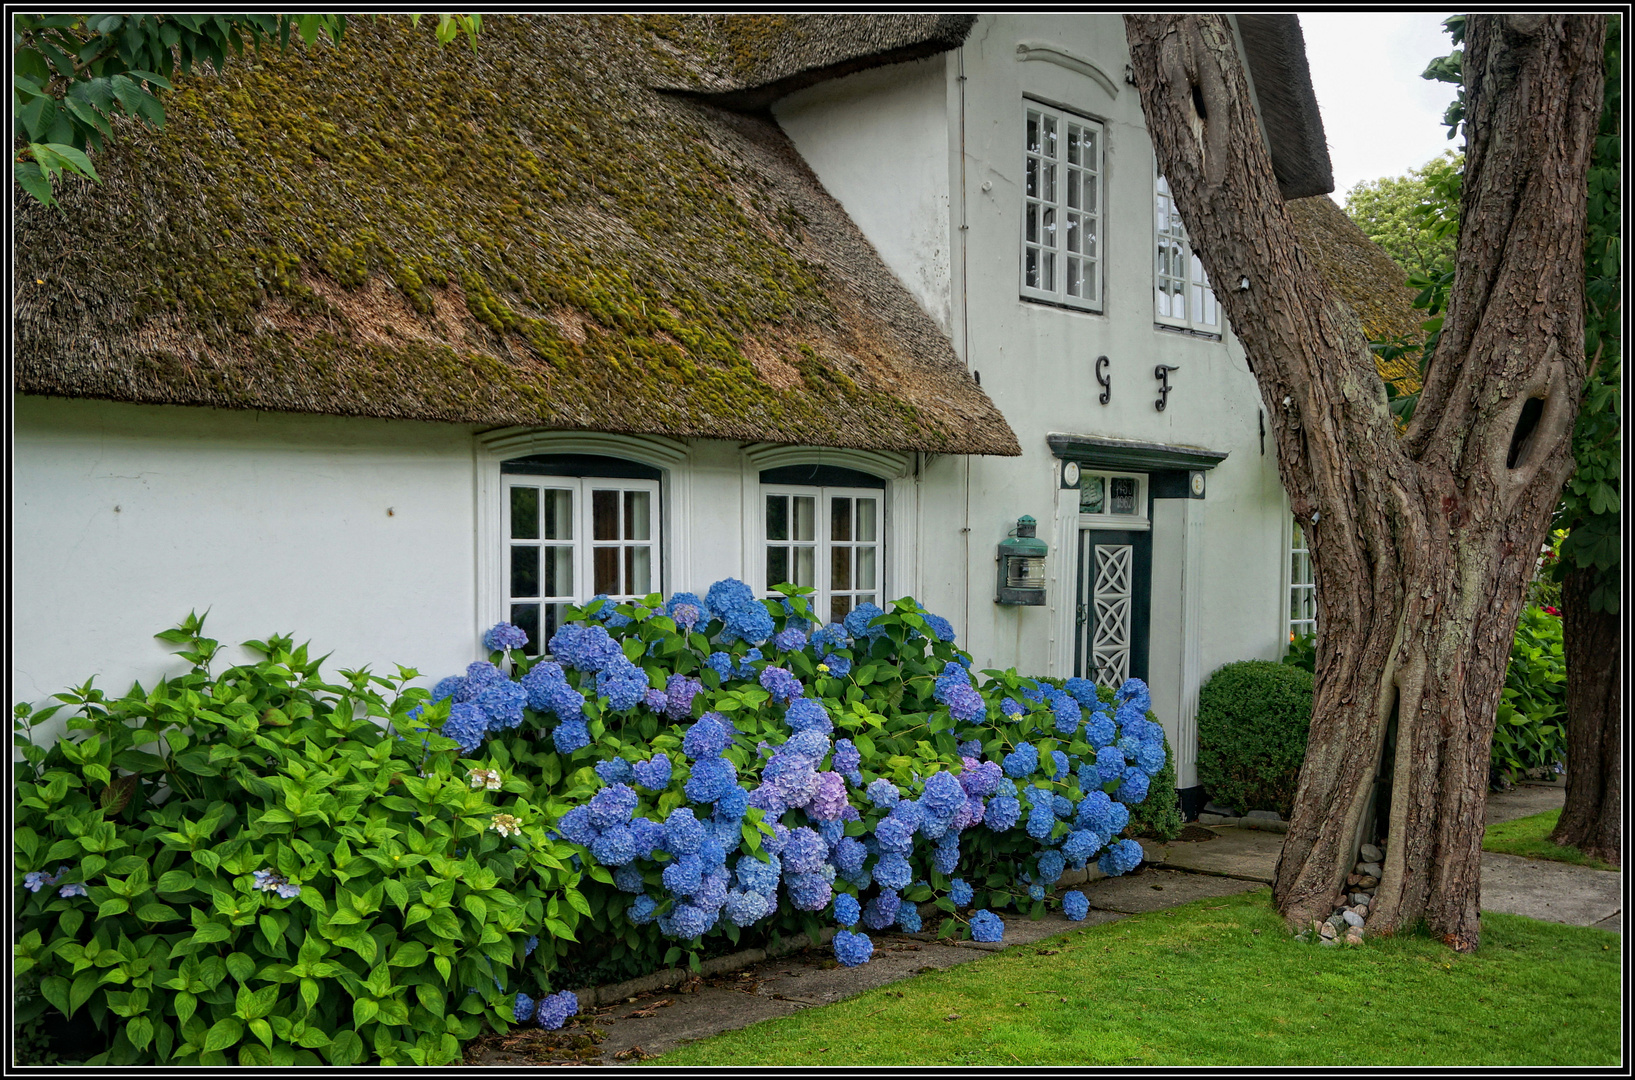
1422	544
1591	819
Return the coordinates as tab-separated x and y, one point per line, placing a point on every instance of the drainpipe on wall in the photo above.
964	330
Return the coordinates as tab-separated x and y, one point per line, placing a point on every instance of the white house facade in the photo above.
1002	177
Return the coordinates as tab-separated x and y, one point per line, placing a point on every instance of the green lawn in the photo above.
1529	837
1219	982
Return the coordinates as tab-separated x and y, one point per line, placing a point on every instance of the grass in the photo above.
1219	982
1529	837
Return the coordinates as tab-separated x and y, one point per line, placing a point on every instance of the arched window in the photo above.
577	525
824	526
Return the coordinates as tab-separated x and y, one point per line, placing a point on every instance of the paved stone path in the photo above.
1237	860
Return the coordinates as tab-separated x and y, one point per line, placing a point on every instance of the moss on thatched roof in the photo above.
1365	277
530	236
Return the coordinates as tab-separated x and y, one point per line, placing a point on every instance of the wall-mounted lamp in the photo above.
1022	565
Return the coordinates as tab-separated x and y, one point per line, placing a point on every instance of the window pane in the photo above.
526	618
1047	183
1089	137
1123	495
524	571
554	616
1073	282
777	567
524	513
840	568
558	514
559	571
638	571
865	567
866	509
839	607
1048	129
1032	187
1033	133
1072	239
1090	493
777	517
1033	223
638	515
1073	176
805	567
805	517
1089	280
605	570
1048	265
840	519
1032	268
604	509
1089	240
1092	189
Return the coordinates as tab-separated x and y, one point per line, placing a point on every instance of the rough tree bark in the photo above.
1591	820
1422	544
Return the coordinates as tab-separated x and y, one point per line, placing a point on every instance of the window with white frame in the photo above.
1183	296
1302	586
828	537
576	526
1112	499
1062	208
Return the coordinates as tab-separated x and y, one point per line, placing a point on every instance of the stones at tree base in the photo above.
1370	853
1354	936
1327	941
1223	811
1263	815
1371	869
1360	899
1352	918
1362	909
1327	931
1368	882
1335	922
1353	879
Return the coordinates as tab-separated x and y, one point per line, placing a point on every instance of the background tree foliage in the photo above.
1405	214
74	74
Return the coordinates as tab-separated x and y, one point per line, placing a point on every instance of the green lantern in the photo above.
1022	565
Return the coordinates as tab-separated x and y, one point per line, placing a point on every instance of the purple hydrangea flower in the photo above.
781	684
686	609
789	640
804	853
881	911
626	878
679	691
830	797
655	701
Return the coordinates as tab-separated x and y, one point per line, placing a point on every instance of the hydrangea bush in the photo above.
677	774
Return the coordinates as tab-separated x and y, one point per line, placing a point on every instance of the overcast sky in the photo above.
1380	117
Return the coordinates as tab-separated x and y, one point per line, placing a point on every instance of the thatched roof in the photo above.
1365	277
1275	51
533	236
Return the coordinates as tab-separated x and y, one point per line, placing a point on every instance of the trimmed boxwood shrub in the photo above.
1253	717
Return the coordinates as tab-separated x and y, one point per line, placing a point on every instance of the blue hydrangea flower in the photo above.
858	619
1012	708
1095	812
894	834
448	688
971	748
1151	758
641	910
1002	813
732	805
852	949
1031	690
504	637
688	921
847	910
708	736
727	595
1021	762
612	805
571	735
683	834
892	871
577	827
811	745
686	609
1134	692
1059	764
757	876
628	878
584	648
1075	906
1041	821
882	792
789	639
523	1010
959	892
945	857
940	628
554	1009
655	701
466	725
1083	691
806	714
848	855
653	775
908	918
1121	858
808	892
847	757
781	684
614	771
711	779
1100	730
1036	892
1109	764
746	666
615	847
881	911
679	691
684	875
648	835
829	637
839	666
986	926
1118	816
1079	846
1051	865
804	853
530	945
1133	791
720	663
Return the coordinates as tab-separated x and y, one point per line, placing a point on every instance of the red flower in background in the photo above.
1553	611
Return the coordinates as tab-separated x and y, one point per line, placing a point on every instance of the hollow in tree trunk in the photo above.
1422	543
1591	819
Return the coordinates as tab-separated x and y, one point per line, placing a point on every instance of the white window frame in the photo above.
1138	521
824	544
1170	237
583	542
1057	223
1301	609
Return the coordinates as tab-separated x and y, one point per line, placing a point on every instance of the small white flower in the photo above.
486	778
506	825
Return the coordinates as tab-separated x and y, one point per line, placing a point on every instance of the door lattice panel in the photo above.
1111	601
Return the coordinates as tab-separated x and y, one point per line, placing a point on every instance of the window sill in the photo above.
1061	306
1207	335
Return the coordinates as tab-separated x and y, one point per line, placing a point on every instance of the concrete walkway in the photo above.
1237	860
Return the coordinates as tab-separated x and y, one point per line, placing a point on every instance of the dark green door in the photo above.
1114	605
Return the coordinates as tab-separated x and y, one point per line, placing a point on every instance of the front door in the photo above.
1114	605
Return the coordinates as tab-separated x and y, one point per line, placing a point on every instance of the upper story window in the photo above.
824	527
1302	586
1184	298
1107	499
1062	208
576	525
